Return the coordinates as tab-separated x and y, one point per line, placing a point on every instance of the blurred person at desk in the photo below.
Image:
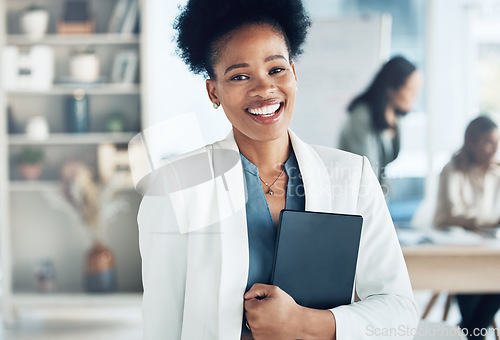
372	129
469	197
469	185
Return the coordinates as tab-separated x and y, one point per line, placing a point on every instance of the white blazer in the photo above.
194	245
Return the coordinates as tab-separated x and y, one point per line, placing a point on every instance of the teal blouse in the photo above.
261	230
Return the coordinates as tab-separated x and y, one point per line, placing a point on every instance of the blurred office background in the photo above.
113	63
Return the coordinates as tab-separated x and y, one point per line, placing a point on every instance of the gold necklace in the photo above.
271	192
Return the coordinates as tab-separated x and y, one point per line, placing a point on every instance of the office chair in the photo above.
447	304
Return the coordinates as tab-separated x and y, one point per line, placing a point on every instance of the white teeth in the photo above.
266	110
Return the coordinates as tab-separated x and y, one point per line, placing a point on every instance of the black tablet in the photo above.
315	257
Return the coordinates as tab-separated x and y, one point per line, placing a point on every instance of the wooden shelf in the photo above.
76	39
34	186
27	186
77	299
58	90
74	138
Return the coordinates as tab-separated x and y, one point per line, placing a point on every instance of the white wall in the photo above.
341	56
448	106
169	88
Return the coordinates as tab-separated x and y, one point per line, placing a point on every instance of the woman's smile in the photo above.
266	112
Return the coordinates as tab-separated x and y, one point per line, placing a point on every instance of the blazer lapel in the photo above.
217	263
317	184
234	244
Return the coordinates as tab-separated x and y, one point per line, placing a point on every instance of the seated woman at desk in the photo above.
469	196
469	186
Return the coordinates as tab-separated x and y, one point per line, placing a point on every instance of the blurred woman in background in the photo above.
371	129
469	186
469	197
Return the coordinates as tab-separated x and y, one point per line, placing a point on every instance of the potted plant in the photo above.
29	162
97	204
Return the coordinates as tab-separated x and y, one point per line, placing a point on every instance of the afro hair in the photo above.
203	22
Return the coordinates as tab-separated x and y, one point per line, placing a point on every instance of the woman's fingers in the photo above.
260	291
271	312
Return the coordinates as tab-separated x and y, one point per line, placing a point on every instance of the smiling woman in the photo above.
208	248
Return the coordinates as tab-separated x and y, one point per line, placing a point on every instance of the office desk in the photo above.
455	269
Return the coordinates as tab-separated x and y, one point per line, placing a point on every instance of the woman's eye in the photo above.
239	77
276	70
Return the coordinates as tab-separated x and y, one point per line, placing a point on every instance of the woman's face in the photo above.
485	149
402	99
255	83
